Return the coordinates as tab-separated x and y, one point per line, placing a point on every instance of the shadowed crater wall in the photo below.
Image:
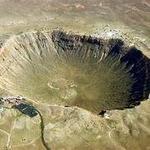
134	61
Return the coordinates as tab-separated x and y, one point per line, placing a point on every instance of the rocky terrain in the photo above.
56	127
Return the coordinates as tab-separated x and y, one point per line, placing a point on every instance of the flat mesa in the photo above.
26	109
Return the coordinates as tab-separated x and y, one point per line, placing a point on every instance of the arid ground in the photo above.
68	128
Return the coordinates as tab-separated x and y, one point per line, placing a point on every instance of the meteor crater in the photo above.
75	70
